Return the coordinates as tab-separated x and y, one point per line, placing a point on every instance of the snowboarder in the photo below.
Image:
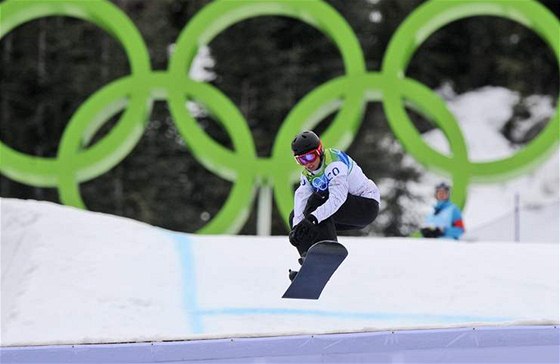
446	220
334	195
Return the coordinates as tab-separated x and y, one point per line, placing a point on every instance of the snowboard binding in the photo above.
292	274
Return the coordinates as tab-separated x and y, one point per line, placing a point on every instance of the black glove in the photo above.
293	238
431	232
304	232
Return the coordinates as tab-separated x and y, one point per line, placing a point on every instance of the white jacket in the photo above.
338	174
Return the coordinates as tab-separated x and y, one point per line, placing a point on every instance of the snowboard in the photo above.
321	261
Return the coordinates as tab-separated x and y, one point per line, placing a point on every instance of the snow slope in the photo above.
72	276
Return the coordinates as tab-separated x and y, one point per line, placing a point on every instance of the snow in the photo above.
71	276
86	269
538	223
481	114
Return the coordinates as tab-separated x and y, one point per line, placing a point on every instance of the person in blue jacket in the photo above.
446	221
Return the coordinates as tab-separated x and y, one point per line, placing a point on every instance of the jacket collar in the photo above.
440	205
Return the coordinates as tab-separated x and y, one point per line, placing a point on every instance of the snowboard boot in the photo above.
292	274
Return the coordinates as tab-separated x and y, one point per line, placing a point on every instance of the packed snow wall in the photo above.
72	277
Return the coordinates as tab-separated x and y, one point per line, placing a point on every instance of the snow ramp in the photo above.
80	286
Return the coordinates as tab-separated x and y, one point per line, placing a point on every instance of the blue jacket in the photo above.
448	218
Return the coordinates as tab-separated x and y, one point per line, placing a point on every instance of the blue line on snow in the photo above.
184	247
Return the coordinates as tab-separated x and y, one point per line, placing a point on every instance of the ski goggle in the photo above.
309	157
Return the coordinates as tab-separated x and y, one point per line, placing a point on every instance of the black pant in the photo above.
355	213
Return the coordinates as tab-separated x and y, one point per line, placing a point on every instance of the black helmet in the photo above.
305	142
443	186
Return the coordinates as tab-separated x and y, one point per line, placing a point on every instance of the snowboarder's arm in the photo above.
337	172
300	199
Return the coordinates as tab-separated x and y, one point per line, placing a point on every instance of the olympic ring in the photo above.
347	95
417	28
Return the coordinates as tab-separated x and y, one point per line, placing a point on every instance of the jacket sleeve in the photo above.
338	191
457	227
300	199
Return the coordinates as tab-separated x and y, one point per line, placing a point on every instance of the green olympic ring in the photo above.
346	95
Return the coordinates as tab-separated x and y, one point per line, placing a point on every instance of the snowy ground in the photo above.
72	276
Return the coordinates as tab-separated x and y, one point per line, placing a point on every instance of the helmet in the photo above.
305	142
443	186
